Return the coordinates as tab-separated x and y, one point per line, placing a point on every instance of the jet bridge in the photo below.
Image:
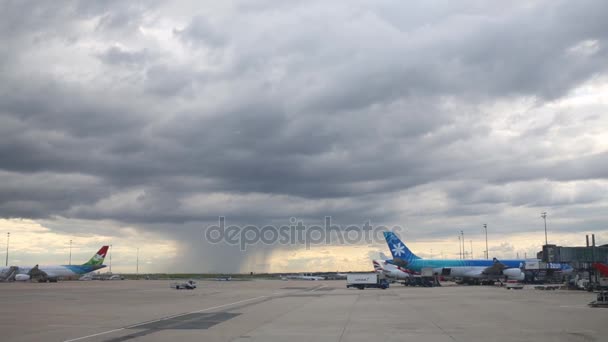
9	273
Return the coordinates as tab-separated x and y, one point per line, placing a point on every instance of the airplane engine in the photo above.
22	277
514	273
399	274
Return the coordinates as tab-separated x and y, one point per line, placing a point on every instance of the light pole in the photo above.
8	237
463	250
544	216
459	247
137	266
70	252
485	226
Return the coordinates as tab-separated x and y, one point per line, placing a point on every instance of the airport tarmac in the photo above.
274	310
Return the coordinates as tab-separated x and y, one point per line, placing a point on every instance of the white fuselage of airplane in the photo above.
22	273
478	272
53	272
305	277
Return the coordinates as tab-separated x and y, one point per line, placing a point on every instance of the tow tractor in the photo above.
189	285
601	302
514	285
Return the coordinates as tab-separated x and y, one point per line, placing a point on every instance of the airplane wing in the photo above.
495	269
37	273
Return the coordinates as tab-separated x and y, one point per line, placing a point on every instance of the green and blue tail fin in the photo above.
98	258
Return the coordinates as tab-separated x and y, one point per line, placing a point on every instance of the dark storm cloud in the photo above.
43	194
150	113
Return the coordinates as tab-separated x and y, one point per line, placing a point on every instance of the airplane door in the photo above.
446	271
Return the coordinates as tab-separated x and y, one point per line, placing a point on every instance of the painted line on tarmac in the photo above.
317	288
94	335
162	319
577	306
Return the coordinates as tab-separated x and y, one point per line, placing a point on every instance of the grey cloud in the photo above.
164	80
504	247
41	195
514	53
201	31
116	55
540	194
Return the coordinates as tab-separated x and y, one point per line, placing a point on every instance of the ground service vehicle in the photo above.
363	280
189	285
514	285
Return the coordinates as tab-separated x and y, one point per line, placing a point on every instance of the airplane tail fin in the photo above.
377	267
383	256
97	259
398	249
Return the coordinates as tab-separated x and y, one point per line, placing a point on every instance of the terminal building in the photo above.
581	259
577	257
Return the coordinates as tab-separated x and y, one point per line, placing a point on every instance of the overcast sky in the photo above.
139	123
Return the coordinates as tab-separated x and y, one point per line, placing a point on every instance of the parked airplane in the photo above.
52	273
463	268
305	276
390	270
